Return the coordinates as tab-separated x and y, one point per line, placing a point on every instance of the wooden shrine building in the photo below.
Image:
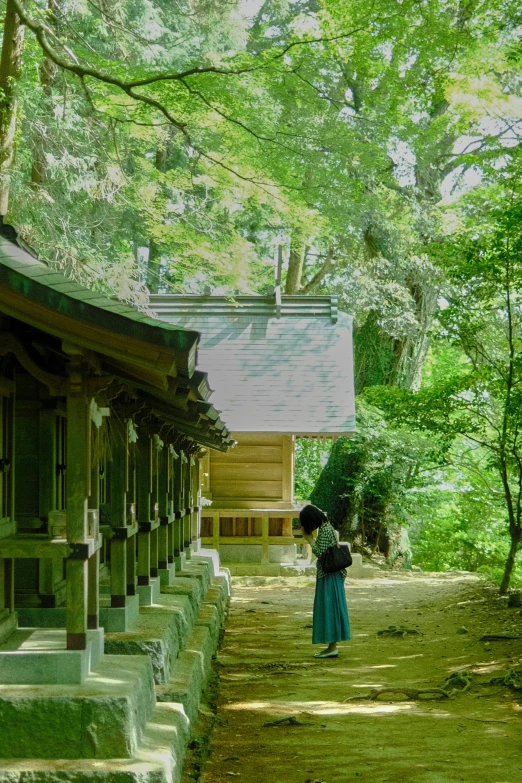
103	421
282	368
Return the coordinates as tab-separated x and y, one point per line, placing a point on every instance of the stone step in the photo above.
40	656
158	758
197	570
103	718
189	586
190	673
155	633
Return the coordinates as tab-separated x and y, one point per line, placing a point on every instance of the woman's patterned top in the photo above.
326	537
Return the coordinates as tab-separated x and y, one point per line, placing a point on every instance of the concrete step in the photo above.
40	656
105	717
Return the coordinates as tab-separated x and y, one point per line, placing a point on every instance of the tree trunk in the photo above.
295	263
10	68
47	73
154	262
510	562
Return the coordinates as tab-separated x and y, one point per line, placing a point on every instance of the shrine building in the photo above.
110	609
282	368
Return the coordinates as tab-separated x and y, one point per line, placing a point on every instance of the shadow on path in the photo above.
269	676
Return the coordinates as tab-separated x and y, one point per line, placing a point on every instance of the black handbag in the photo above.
335	559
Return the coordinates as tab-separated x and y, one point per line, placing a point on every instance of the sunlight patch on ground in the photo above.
310	708
405	657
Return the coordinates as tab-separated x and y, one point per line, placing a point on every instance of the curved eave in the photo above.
47	300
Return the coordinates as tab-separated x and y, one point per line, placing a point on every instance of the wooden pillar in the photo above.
264	540
170	542
78	469
195	501
288	468
7	585
163	507
131	565
93	607
163	544
215	530
143	506
143	557
154	552
118	572
118	474
187	497
178	506
47	461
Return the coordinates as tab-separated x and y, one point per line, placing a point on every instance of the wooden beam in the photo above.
259	540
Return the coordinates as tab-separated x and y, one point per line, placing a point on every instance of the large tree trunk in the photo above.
295	263
510	562
10	68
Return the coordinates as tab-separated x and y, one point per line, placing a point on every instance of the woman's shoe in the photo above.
333	654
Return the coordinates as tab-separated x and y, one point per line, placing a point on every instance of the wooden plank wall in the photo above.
259	467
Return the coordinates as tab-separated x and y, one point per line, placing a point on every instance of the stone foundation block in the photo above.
40	657
200	642
189	587
121	618
209	618
159	759
199	571
180	611
215	598
154	634
103	718
167	575
150	593
190	673
209	556
241	553
185	685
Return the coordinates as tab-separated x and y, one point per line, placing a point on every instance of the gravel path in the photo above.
283	716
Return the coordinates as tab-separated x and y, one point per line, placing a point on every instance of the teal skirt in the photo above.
330	623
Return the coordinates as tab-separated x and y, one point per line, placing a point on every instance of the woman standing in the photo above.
330	621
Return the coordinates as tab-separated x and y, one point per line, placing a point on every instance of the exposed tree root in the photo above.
411	694
290	721
511	679
459	682
399	631
497	637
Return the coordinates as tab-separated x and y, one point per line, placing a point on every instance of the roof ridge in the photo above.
166	305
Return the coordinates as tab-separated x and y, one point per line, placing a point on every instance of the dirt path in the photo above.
268	673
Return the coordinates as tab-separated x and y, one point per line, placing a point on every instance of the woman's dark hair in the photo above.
311	518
